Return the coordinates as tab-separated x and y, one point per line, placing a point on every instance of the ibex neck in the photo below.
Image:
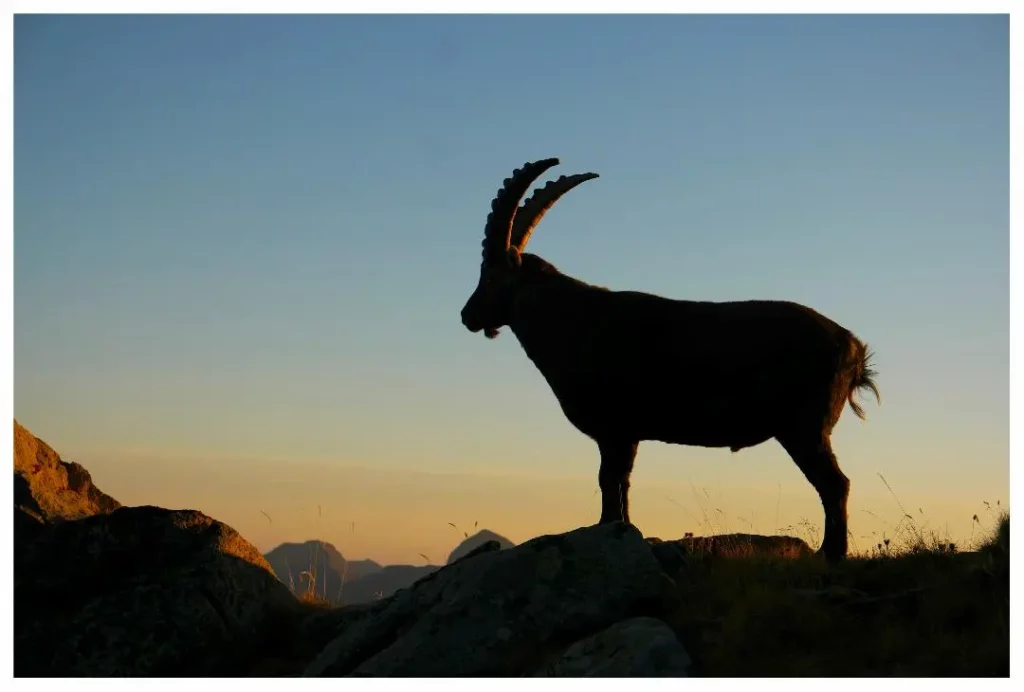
552	313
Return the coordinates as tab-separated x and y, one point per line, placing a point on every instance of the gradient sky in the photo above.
242	245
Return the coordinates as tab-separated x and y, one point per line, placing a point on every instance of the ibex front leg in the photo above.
616	466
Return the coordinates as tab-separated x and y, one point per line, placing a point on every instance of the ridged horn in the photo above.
498	230
533	209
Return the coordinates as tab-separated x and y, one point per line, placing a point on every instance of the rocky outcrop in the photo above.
106	590
48	489
139	592
642	647
502	612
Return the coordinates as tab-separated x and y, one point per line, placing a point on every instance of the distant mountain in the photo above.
366	580
384	582
295	563
475	541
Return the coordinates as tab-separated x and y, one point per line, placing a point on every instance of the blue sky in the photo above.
243	238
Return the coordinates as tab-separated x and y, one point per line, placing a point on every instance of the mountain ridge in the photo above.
318	567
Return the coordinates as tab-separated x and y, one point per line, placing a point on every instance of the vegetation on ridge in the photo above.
916	609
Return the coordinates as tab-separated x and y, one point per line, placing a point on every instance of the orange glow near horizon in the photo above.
396	516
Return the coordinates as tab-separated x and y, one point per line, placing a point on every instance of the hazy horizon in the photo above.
396	515
242	244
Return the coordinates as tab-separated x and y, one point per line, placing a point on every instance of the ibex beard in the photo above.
627	366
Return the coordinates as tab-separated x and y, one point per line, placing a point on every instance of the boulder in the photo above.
502	612
636	648
142	591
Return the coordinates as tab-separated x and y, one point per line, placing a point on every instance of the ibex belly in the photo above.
667	409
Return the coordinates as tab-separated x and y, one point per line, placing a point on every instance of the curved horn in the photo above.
498	230
533	209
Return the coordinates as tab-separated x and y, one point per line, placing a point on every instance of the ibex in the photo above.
628	366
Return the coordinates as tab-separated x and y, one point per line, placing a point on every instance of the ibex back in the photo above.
628	366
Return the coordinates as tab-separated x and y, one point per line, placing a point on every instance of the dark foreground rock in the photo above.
636	648
143	591
502	612
106	590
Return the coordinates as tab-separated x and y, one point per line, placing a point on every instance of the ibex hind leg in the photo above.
812	452
616	466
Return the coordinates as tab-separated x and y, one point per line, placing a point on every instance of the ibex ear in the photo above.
515	260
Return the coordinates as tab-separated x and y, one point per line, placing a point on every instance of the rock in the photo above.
635	648
323	626
49	489
142	591
506	612
672	554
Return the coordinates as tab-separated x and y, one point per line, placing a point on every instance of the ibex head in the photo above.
506	233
